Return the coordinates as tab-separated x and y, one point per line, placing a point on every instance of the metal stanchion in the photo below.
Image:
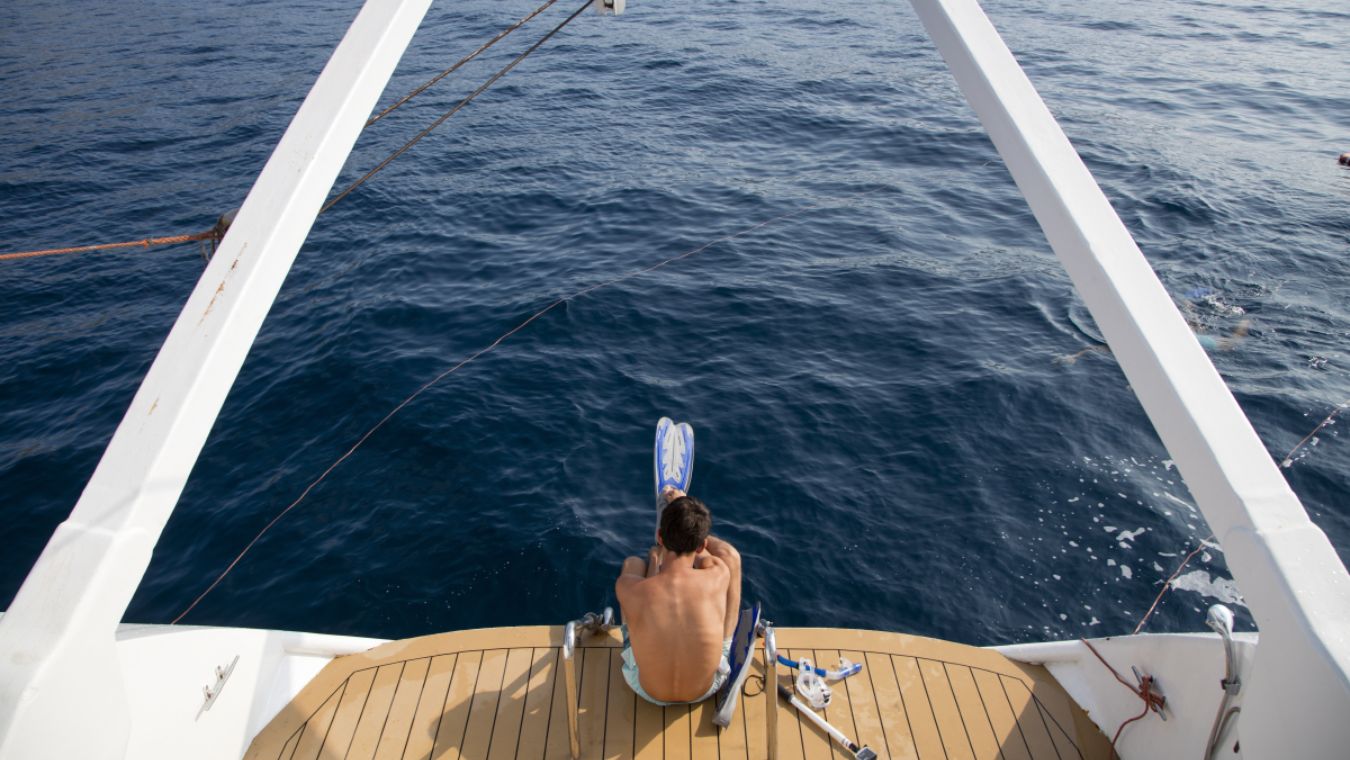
771	690
589	623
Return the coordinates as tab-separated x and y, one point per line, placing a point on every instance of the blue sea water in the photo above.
902	420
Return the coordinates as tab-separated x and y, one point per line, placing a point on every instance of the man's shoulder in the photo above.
708	562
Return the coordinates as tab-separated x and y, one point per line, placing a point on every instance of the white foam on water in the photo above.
1218	587
1126	571
1130	535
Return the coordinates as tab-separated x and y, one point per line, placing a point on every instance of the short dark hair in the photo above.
685	524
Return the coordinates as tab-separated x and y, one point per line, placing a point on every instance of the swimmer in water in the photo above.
1207	342
1215	343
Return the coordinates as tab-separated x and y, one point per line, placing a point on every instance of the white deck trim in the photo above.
57	637
1292	578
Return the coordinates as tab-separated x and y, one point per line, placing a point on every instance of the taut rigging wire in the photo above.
443	117
423	87
216	233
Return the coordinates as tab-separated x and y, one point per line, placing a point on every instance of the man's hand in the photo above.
654	557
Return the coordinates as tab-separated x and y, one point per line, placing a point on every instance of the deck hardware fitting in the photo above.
770	686
1161	706
209	693
590	623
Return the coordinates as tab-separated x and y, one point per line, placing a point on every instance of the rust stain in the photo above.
219	289
153	407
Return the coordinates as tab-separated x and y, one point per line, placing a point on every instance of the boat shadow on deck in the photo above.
497	694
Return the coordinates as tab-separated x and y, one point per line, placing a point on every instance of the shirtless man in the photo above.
680	607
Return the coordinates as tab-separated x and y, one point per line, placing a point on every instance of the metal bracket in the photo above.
1155	689
211	692
590	623
770	687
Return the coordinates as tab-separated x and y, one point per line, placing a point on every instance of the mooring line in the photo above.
217	232
145	243
458	106
487	349
423	87
1288	460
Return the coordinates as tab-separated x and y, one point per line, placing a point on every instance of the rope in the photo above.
419	90
1288	460
468	99
472	357
146	243
1168	584
1144	691
216	233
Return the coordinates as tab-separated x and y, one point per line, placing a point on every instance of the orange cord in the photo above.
1144	691
1168	584
146	243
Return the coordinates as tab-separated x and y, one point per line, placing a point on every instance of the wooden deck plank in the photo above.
407	693
510	705
483	705
789	719
593	671
839	713
349	710
862	702
375	714
430	703
704	739
677	733
752	707
923	724
815	742
619	715
288	749
893	708
950	724
538	703
1058	724
649	723
1029	719
1006	733
558	746
731	740
454	716
979	726
315	730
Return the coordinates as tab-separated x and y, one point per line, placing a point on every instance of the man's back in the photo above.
676	621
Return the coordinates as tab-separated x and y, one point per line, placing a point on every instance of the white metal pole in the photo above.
61	688
1289	573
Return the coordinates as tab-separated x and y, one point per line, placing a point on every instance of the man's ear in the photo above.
658	540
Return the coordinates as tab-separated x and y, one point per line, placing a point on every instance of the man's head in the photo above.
685	524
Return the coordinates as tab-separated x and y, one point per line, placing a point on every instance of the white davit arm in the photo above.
61	687
1299	691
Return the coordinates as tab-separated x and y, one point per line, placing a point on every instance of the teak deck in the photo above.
497	694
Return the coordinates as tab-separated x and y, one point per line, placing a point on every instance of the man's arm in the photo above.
634	570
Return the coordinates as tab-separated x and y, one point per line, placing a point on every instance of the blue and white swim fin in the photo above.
673	457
